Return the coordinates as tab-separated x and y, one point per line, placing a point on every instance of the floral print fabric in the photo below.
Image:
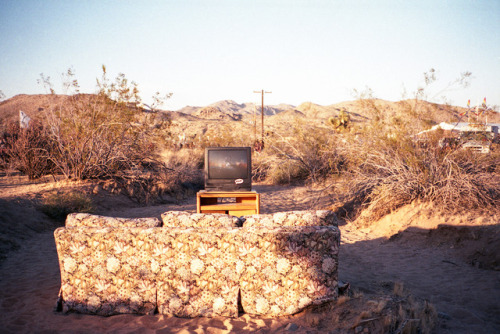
89	220
107	271
197	271
200	271
186	219
293	218
287	269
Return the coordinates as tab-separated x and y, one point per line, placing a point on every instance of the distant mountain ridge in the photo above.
231	107
229	110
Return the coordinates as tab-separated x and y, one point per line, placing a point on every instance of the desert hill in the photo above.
196	124
32	105
362	109
288	114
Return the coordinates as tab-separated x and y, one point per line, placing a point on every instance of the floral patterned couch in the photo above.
192	265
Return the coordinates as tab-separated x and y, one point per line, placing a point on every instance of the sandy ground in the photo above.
450	261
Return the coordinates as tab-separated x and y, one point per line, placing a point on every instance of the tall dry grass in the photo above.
386	174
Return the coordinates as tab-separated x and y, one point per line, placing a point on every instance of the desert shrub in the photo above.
98	135
27	149
182	172
108	136
58	205
282	171
308	153
177	173
390	173
223	134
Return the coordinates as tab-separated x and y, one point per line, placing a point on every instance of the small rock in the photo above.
291	327
343	287
443	315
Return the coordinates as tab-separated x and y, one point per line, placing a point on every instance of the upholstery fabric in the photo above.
186	219
287	269
293	218
108	270
89	220
198	271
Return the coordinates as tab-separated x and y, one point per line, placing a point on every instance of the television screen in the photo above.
227	164
228	168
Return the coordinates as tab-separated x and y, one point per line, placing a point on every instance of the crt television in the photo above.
228	169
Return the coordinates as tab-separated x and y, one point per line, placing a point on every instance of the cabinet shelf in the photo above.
233	203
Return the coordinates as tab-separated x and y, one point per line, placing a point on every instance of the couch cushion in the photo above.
293	218
88	220
200	271
107	271
186	219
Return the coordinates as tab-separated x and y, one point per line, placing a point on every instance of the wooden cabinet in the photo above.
232	203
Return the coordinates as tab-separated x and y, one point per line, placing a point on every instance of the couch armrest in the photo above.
288	268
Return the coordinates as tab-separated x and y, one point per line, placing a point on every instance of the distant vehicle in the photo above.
478	135
477	146
477	141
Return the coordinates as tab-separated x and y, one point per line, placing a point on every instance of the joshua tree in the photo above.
340	122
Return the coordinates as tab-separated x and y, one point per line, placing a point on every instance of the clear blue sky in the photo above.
206	51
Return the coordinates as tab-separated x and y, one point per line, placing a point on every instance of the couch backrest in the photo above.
187	271
292	218
186	219
89	220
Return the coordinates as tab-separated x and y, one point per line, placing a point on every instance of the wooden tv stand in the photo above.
235	203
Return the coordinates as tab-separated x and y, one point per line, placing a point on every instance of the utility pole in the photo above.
262	92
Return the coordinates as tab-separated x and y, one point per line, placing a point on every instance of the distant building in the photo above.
461	127
476	137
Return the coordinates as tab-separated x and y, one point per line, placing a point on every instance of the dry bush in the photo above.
370	314
390	173
185	170
413	316
307	153
27	149
177	174
99	135
108	136
224	135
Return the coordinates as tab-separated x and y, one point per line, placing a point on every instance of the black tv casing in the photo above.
221	183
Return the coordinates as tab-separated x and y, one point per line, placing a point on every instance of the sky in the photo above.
324	52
